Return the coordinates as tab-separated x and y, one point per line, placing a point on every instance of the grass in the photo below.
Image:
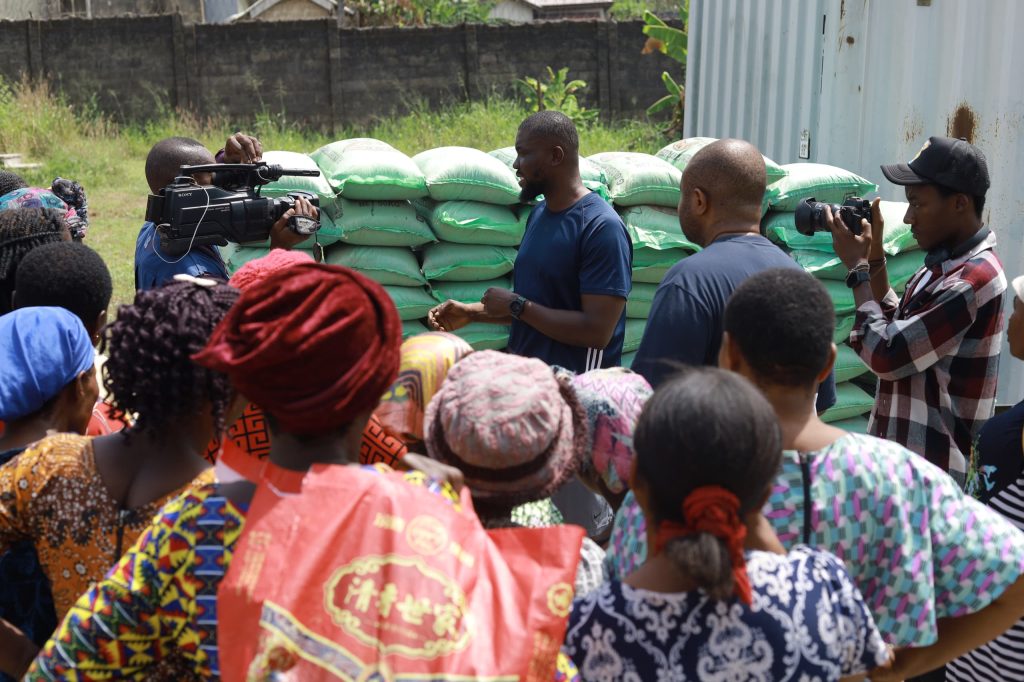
108	158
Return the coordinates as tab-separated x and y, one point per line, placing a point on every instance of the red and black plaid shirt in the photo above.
936	353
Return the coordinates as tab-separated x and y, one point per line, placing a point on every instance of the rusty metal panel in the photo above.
888	74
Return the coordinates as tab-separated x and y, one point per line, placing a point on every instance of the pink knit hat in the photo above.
258	269
513	425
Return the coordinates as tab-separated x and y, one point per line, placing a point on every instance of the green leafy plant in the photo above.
670	41
558	93
420	12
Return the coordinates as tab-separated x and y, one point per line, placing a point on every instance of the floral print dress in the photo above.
807	622
52	495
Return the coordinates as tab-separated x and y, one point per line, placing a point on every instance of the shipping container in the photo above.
859	83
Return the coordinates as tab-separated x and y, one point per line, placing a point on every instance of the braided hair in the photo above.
21	230
10	181
150	372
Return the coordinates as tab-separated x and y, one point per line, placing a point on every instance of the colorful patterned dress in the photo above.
915	545
52	495
807	622
155	615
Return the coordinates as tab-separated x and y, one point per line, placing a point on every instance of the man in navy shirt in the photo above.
154	268
573	271
720	209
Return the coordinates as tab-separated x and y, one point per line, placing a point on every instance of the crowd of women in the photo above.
752	541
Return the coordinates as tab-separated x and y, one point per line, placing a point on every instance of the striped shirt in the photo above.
936	354
1001	659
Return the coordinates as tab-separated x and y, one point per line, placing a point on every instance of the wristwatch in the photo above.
517	306
857	276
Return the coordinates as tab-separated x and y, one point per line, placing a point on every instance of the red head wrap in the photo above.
313	345
713	509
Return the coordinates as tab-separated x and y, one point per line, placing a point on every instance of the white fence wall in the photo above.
870	81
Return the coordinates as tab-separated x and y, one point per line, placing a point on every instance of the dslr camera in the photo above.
810	215
231	210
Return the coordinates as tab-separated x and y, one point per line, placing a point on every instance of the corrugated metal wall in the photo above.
870	80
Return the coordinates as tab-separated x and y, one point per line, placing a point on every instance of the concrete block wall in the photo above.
317	74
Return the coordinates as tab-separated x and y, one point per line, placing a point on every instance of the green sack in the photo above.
679	154
634	335
901	268
471	222
290	183
382	223
841	295
368	169
413	303
848	364
655	251
467	262
413	328
898	237
627	359
391	265
467	292
825	183
638	305
853	425
462	173
635	179
851	401
844	326
484	336
825	265
237	255
591	174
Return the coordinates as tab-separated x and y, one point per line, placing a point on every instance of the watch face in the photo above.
516	307
857	277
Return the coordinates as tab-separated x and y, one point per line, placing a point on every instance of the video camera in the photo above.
232	210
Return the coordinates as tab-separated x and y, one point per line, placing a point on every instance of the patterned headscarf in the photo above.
426	359
613	399
36	197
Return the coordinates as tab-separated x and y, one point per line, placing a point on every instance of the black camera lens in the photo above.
810	215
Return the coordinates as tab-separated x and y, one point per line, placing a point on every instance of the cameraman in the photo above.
154	268
936	350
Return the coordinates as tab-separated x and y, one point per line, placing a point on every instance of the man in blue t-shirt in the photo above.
154	268
573	271
720	209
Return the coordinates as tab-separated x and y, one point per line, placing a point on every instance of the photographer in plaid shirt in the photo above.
936	350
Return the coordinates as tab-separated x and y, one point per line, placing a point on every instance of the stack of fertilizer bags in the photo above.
471	205
828	184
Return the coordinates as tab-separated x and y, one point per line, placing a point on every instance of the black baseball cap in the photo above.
946	161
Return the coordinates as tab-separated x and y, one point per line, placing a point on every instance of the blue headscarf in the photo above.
41	351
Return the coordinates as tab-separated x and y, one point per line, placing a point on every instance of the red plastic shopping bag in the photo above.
366	576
